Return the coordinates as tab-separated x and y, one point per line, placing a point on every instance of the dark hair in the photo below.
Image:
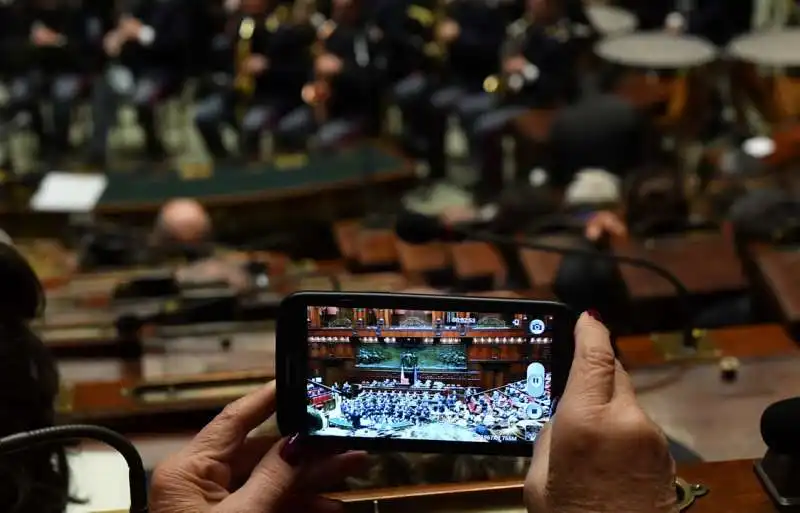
37	480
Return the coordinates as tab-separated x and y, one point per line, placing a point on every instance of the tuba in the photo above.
504	83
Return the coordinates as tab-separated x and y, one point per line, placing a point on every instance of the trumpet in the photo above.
514	45
244	82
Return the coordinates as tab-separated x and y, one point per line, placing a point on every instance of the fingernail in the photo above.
594	314
292	451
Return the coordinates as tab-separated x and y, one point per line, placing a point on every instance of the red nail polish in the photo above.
292	451
594	314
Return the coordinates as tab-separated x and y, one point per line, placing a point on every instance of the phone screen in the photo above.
429	375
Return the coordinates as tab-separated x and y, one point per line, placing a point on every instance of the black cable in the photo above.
137	477
689	340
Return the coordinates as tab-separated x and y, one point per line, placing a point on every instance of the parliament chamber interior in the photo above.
170	170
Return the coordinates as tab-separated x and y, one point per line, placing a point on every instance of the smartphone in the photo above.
420	373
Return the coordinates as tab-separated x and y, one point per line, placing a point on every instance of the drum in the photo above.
656	50
610	20
770	48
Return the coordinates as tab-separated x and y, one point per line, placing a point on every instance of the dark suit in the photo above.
146	71
471	57
353	101
61	73
548	80
14	58
409	30
267	97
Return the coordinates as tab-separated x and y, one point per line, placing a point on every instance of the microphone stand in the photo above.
137	476
689	344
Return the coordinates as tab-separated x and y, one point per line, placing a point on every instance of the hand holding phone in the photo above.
421	373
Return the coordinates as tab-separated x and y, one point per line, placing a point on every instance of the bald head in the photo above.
184	221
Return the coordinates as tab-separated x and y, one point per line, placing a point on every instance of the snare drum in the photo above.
778	50
657	51
610	20
667	88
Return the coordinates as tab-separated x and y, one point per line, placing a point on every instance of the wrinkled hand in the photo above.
256	64
448	31
129	28
328	65
223	470
600	453
602	223
43	36
112	43
515	64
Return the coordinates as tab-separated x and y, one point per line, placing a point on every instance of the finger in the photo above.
247	457
616	227
623	386
229	429
273	477
591	379
540	463
593	231
325	475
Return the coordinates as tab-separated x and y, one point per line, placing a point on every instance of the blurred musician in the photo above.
471	33
13	51
341	97
539	61
415	59
263	65
62	33
149	54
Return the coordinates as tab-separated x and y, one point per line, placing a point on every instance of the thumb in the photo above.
272	478
538	472
591	379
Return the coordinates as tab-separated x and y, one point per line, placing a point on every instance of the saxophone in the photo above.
317	93
504	83
244	83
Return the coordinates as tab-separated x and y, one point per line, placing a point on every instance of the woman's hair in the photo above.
36	480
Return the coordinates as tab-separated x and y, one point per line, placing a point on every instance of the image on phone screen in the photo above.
428	375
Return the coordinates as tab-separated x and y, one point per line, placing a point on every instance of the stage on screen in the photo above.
427	375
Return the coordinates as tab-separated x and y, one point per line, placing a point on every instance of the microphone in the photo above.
137	476
779	469
415	228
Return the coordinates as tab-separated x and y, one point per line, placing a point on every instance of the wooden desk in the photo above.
734	488
706	263
779	273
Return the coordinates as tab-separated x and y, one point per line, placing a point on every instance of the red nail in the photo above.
594	314
293	452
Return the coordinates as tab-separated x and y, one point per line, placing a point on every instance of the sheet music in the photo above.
69	192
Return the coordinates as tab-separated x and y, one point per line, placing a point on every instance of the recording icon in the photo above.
537	326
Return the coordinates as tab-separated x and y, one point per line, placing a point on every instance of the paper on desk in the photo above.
69	192
101	479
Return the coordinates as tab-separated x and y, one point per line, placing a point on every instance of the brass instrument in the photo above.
434	48
317	93
244	82
513	46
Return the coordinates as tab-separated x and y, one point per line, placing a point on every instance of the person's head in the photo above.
254	7
183	221
36	480
542	10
